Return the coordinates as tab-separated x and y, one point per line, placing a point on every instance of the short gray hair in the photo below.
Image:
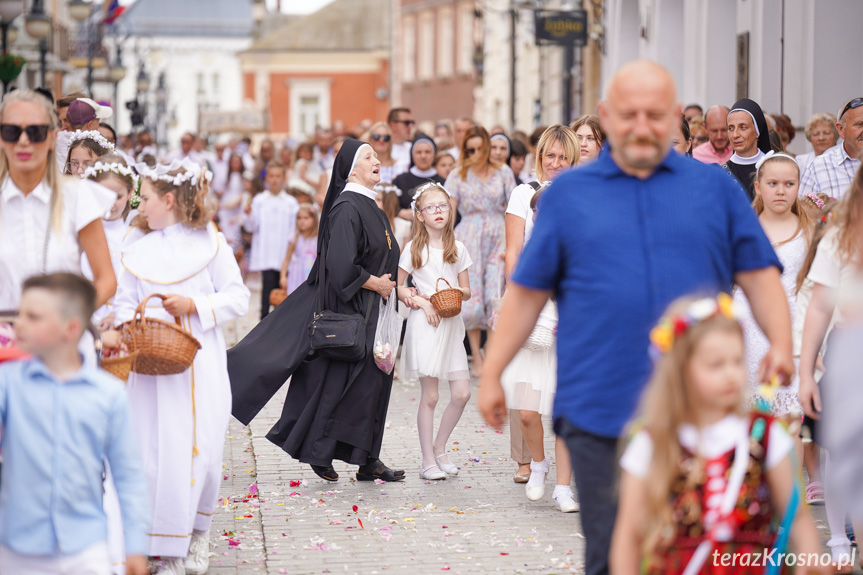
818	118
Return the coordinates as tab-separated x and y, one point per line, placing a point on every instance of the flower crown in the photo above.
193	172
819	203
424	188
91	135
673	326
116	168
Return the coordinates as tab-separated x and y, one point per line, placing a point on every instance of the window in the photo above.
446	39
409	37
426	47
465	41
309	106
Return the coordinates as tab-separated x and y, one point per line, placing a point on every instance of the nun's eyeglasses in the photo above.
442	208
381	137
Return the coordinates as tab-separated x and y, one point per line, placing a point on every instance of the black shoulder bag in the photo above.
339	336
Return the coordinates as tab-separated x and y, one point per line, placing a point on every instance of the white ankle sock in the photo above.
562	490
538	471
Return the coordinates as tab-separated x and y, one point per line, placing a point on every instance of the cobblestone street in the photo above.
278	517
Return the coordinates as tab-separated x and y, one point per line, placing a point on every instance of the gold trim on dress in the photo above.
212	309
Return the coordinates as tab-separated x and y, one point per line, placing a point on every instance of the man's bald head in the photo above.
640	114
642	75
717	127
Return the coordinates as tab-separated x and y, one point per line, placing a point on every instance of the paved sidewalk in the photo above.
297	523
278	517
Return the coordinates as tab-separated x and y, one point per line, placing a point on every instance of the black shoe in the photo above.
327	473
375	469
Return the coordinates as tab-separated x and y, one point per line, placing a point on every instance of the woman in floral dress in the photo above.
480	190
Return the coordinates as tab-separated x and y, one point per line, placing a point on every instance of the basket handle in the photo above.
438	282
139	311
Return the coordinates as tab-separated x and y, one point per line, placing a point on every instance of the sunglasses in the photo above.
11	133
381	137
471	151
406	122
855	103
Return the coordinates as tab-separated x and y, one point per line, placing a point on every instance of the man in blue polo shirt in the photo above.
665	226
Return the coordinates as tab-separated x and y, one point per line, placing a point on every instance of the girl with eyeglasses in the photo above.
85	148
46	220
434	346
480	190
381	139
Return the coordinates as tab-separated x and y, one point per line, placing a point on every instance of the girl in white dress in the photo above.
112	172
530	380
777	180
181	419
433	346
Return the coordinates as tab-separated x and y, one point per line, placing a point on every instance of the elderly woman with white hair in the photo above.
822	134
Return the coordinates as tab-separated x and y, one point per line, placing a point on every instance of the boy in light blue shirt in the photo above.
60	421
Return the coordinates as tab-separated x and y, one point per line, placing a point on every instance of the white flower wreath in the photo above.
116	168
91	135
193	172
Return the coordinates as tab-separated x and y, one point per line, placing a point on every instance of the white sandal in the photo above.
431	473
535	488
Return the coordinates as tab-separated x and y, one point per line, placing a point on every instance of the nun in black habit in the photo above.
334	409
421	170
750	138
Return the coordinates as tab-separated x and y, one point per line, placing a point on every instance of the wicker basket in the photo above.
539	339
447	302
277	296
163	348
119	367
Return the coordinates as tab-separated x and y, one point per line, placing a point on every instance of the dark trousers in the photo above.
594	466
269	282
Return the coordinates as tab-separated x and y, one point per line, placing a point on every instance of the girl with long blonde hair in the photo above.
701	477
433	347
789	229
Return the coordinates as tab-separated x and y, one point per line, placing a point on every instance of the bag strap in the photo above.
535	185
323	276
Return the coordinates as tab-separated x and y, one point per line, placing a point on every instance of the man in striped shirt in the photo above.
833	171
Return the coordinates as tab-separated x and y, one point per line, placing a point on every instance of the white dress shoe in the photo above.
563	495
198	560
448	468
431	473
535	488
171	566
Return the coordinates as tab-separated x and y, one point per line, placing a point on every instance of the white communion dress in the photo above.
530	380
181	419
434	351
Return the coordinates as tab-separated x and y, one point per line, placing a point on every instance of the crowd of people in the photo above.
684	315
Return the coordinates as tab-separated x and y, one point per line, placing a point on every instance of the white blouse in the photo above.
24	226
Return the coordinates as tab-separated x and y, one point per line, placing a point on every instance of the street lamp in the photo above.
79	10
143	81
9	10
37	23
